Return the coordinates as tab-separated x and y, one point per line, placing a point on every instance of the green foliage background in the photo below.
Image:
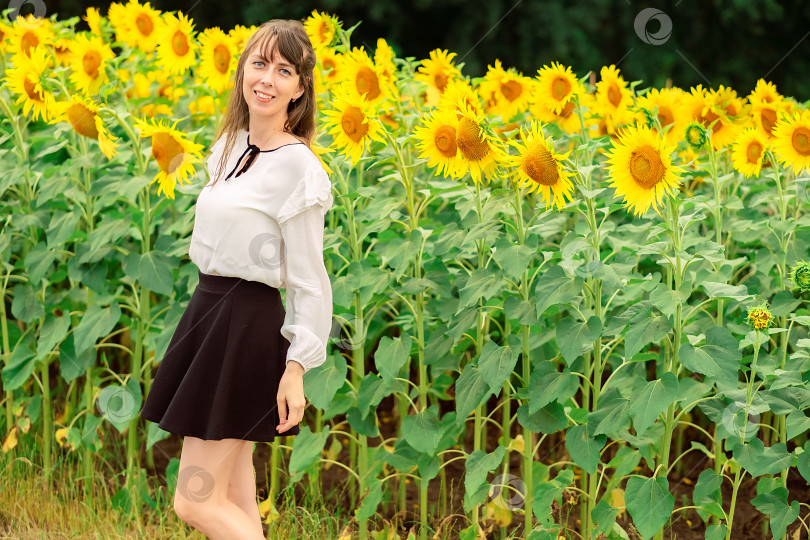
713	42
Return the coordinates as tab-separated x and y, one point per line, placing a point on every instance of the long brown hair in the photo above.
292	42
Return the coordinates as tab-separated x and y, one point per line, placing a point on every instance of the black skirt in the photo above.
219	377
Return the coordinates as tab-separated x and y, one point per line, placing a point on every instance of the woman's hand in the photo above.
291	396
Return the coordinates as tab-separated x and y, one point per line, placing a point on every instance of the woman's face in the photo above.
269	85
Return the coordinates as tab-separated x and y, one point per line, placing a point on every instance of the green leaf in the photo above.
803	463
19	366
423	430
391	355
796	423
483	283
322	384
575	337
471	391
155	272
547	420
371	499
758	460
307	450
653	399
584	450
707	494
649	503
716	532
719	358
775	506
120	404
723	290
604	515
667	300
96	323
783	304
514	259
497	363
544	493
554	287
645	328
478	465
554	386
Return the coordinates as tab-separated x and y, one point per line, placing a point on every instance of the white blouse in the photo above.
267	225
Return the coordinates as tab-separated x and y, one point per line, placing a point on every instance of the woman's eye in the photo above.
287	71
258	62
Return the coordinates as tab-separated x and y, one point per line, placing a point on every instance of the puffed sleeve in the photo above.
308	319
313	189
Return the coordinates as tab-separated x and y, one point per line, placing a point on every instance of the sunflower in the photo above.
437	142
665	103
641	169
82	114
460	90
436	72
540	167
89	56
792	140
5	31
93	19
240	35
567	117
204	105
696	136
217	59
509	91
352	122
557	87
173	152
764	116
764	92
722	110
321	29
331	62
177	48
138	25
61	51
760	316
480	152
25	79
612	91
319	151
747	152
362	77
27	32
384	57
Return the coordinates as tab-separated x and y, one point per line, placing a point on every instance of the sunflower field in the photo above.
565	305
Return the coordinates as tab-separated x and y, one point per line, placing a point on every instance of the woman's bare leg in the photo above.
242	486
201	499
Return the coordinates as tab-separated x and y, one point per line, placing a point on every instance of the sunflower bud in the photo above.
800	276
759	317
696	136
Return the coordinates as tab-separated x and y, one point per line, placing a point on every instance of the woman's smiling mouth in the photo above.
261	96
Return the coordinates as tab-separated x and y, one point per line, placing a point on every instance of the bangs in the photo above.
284	44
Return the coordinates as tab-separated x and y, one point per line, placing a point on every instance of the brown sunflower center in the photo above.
445	141
511	90
440	79
568	108
710	117
83	120
222	58
28	40
470	143
560	88
180	43
323	31
91	61
665	116
753	152
540	166
166	149
352	124
768	120
329	63
801	140
33	94
614	95
367	83
144	24
646	166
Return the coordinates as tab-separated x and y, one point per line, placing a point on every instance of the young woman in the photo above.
233	371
